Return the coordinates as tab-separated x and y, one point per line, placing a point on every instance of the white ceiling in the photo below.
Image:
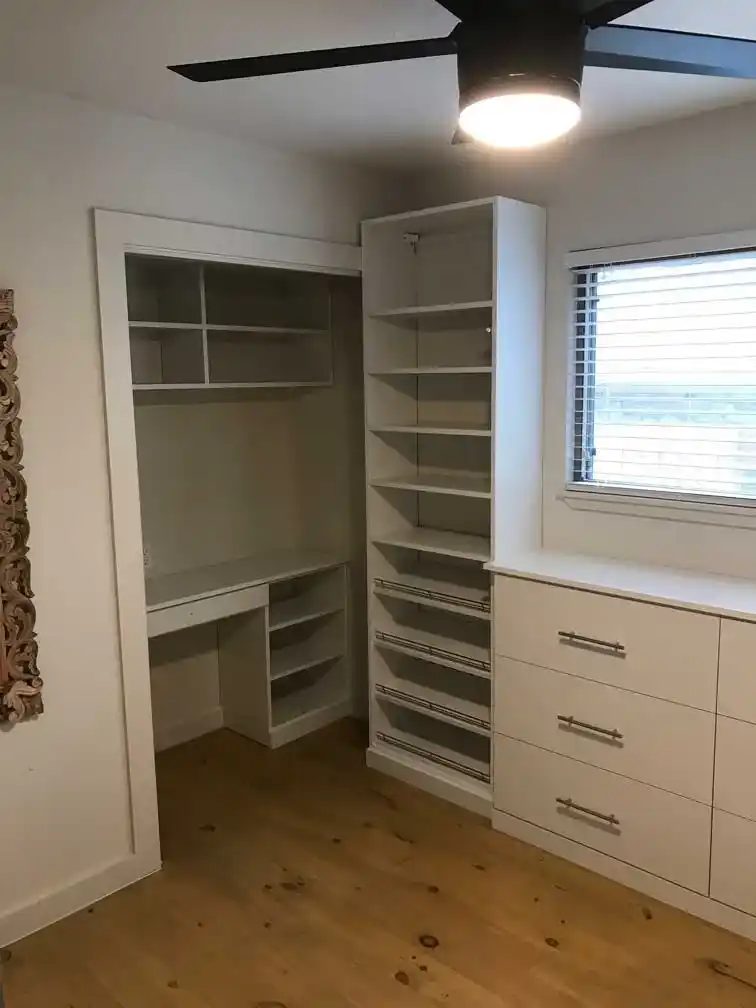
114	53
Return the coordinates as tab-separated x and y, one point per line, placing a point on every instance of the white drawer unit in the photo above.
734	786
737	670
655	650
733	876
205	610
646	827
649	740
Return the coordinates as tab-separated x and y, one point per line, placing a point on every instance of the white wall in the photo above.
217	480
686	178
65	817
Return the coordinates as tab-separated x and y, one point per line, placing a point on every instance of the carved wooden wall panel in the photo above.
20	685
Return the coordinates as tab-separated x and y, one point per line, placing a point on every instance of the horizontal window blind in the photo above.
664	376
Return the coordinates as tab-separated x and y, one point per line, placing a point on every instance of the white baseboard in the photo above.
82	893
169	735
634	878
467	793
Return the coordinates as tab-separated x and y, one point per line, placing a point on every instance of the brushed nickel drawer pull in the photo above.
571	722
578	640
571	806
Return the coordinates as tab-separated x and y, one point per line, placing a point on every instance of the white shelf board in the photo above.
429	369
308	721
170	387
448	429
205	387
446	706
432	219
295	611
420	311
298	657
428	749
294	707
267	384
432	659
262	330
428	540
261	568
456	484
267	330
436	593
446	649
434	603
194	326
451	785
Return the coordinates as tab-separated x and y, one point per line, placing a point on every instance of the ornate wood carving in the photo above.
20	685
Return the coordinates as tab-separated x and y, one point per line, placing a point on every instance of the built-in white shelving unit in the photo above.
439	301
195	327
283	641
250	502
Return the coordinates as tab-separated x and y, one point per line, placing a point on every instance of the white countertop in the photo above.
709	593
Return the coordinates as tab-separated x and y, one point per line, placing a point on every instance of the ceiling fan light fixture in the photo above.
523	113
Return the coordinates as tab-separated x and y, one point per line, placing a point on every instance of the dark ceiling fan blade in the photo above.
465	10
625	47
317	59
600	12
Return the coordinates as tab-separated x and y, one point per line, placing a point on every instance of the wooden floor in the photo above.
301	879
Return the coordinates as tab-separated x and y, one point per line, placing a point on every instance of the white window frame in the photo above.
641	503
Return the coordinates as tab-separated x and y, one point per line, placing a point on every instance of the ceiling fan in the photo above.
520	62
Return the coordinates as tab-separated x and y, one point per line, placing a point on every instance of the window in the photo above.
664	377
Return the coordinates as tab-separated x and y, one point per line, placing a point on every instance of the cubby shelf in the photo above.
437	752
290	660
418	649
195	326
268	330
433	644
241	330
296	715
450	429
451	710
200	326
453	484
294	612
436	593
209	386
430	369
440	541
419	311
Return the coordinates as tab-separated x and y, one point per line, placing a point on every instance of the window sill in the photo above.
726	514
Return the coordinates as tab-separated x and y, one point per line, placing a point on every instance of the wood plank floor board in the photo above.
301	878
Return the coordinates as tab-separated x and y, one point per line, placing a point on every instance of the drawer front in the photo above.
737	670
650	740
666	653
207	610
733	879
651	829
734	784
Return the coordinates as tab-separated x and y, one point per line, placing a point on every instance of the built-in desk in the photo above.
282	637
207	594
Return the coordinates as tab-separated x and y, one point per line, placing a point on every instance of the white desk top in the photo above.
219	579
709	593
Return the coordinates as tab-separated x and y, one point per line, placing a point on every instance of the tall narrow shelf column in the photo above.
446	310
